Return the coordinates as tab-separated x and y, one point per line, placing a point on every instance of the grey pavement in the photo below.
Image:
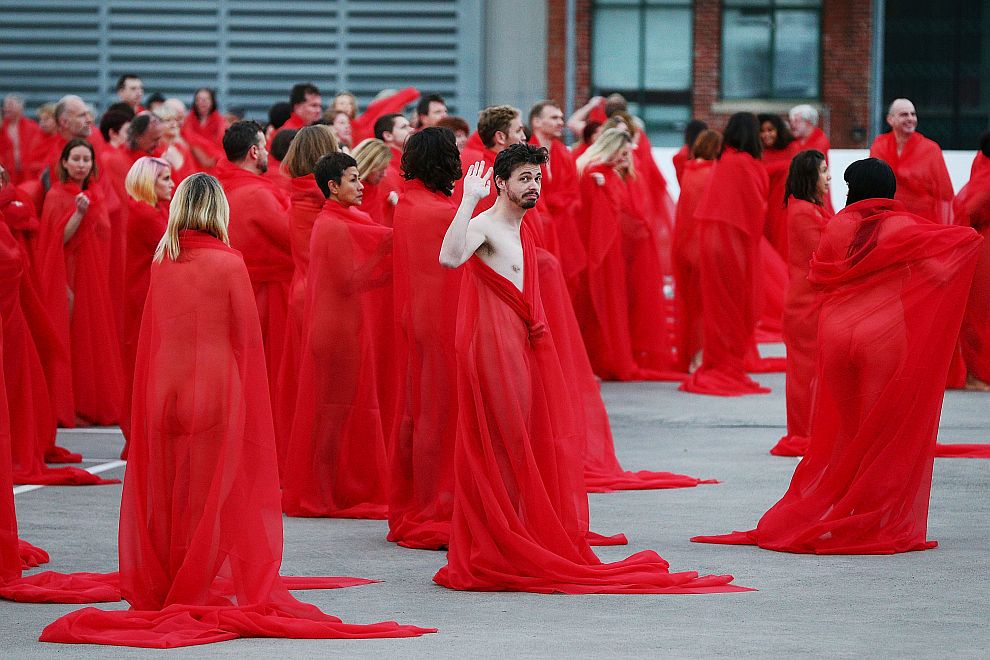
923	604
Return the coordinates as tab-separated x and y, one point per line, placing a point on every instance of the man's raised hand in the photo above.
476	184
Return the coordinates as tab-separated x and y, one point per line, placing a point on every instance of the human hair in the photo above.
281	142
707	145
140	181
213	101
122	81
869	178
385	124
537	109
985	143
589	130
156	97
199	204
493	119
47	109
140	125
423	107
239	138
63	174
615	103
63	103
121	107
802	178
805	112
279	113
455	123
784	137
371	155
113	121
608	143
354	103
300	91
516	155
622	117
693	129
165	112
431	156
743	133
310	144
331	168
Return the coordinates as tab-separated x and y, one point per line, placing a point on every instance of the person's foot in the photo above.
974	384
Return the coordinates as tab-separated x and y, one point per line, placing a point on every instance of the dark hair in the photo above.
122	81
693	130
157	97
300	91
423	107
431	156
213	101
385	124
331	168
784	137
455	124
802	178
281	142
869	178
742	133
589	130
538	107
113	120
235	111
139	126
516	155
279	113
239	138
121	107
985	143
63	176
614	103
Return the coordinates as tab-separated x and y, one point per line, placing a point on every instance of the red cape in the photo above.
972	209
889	320
513	432
336	461
20	169
777	163
375	202
200	522
687	256
205	139
816	140
923	182
560	203
422	446
680	159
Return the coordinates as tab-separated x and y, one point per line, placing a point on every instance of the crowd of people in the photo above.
375	315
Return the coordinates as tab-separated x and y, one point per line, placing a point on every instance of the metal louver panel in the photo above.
251	51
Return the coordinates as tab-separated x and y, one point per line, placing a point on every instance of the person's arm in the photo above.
460	241
82	205
577	121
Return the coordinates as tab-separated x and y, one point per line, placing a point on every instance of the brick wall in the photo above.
557	50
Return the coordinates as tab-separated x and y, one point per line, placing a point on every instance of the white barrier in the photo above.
958	163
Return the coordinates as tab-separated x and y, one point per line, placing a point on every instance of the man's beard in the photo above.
263	166
523	202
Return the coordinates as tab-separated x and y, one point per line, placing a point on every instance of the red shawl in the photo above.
923	182
336	461
205	138
893	288
200	521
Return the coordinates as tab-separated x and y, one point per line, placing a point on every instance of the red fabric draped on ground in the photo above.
513	454
730	217
805	222
336	464
923	182
200	525
893	287
420	466
85	323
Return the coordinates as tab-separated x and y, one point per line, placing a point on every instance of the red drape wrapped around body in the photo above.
730	215
205	138
336	464
422	448
777	163
363	127
805	222
923	182
893	290
972	209
560	202
519	492
687	256
75	287
17	159
200	524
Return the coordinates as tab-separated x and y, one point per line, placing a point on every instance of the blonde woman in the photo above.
373	157
200	535
175	150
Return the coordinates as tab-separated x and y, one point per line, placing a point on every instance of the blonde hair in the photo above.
309	145
622	117
140	181
371	155
200	204
354	104
607	144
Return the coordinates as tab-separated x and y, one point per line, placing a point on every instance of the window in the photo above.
642	49
771	49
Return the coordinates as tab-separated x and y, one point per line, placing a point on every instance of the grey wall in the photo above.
515	63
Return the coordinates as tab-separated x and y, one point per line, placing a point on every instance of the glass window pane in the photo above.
746	3
668	49
745	54
665	124
796	55
615	48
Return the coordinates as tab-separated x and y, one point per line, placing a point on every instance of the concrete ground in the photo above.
925	604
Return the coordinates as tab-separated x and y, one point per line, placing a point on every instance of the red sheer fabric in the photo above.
375	201
893	288
16	155
200	523
805	222
74	279
980	164
972	209
687	254
560	200
336	463
259	228
680	159
420	466
205	138
306	202
518	495
923	182
621	294
363	127
770	294
816	140
730	216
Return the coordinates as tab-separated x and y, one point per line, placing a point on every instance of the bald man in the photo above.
923	182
